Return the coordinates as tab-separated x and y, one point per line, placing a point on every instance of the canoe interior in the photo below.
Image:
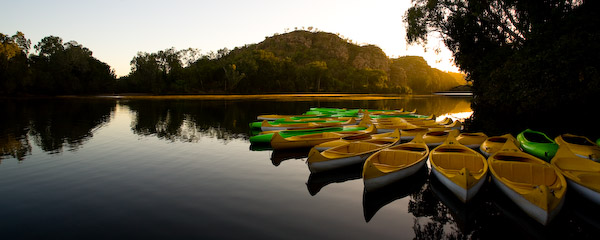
497	139
525	173
578	140
398	158
359	147
455	159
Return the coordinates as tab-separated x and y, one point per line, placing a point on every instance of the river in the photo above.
182	168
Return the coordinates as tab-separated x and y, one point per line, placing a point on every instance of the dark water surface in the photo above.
104	168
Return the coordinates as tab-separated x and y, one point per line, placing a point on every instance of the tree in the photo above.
317	69
522	56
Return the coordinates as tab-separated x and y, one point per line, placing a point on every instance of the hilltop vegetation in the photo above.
299	61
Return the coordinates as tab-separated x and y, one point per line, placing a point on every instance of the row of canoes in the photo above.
536	186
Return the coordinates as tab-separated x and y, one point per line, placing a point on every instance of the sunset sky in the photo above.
116	30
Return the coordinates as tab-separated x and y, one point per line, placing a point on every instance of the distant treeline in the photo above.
299	61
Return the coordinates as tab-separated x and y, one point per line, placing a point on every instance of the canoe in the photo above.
348	154
394	163
459	168
495	143
310	140
273	117
265	137
284	121
436	138
472	140
410	134
266	126
348	139
534	185
537	144
581	146
383	127
581	174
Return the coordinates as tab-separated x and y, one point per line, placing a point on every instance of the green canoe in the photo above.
537	144
266	138
258	124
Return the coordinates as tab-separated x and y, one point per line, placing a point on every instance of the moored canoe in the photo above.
581	146
493	144
581	174
310	140
394	163
459	168
348	154
534	185
472	140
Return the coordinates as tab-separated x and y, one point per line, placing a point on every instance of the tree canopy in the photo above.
298	61
524	57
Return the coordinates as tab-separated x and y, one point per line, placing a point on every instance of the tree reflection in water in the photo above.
52	124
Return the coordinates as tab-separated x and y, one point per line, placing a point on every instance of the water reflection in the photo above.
411	186
278	156
51	124
317	181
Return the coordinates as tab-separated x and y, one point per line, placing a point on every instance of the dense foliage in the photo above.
56	68
299	61
525	58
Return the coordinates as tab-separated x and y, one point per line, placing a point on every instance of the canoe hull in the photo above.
584	191
378	182
463	194
535	212
315	167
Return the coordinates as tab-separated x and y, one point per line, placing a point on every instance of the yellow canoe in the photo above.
394	163
459	168
348	139
472	140
348	154
581	174
436	138
493	144
537	187
581	146
310	140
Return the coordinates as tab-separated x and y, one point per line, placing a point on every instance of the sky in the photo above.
116	30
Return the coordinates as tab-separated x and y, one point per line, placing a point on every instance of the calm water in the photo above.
184	169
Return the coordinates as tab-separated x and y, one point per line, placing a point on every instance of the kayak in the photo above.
394	163
537	144
581	174
310	140
459	168
580	146
534	185
493	144
472	140
348	154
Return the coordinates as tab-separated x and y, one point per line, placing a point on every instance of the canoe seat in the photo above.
454	161
525	173
397	158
